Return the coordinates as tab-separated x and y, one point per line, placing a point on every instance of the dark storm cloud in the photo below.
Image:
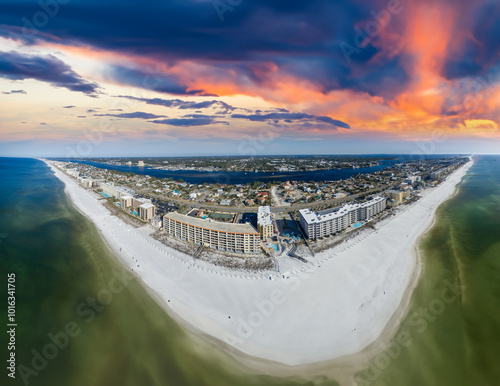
460	69
151	80
291	117
300	37
137	114
14	92
189	28
478	53
487	28
180	104
190	120
275	115
49	69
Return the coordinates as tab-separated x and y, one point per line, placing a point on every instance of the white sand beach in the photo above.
335	306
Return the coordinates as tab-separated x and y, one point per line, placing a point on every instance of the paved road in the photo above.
276	209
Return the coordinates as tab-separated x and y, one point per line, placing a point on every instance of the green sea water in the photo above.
60	262
451	335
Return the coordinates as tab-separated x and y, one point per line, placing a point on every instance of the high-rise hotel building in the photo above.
239	238
265	222
116	191
328	222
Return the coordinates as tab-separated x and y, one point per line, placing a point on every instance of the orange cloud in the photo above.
423	36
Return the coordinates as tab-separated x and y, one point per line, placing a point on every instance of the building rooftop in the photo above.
214	225
120	189
264	216
318	217
146	206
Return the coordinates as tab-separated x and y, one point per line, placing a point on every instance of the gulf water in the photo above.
452	328
451	332
61	264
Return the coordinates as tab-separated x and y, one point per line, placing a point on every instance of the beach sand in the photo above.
334	313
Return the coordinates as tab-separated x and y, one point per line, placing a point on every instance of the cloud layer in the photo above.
375	67
18	66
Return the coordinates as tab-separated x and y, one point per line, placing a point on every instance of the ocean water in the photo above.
451	335
62	339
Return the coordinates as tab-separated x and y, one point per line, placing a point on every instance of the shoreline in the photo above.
183	293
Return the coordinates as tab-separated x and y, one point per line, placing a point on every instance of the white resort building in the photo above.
265	222
328	222
230	237
117	192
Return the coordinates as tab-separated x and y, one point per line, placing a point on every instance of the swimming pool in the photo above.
105	195
357	225
274	246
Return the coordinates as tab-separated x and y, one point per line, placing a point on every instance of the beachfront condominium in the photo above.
230	237
126	201
116	191
147	211
141	206
265	222
436	175
397	197
86	182
96	182
73	172
328	222
138	201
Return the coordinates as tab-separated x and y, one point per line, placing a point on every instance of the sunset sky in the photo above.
186	77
